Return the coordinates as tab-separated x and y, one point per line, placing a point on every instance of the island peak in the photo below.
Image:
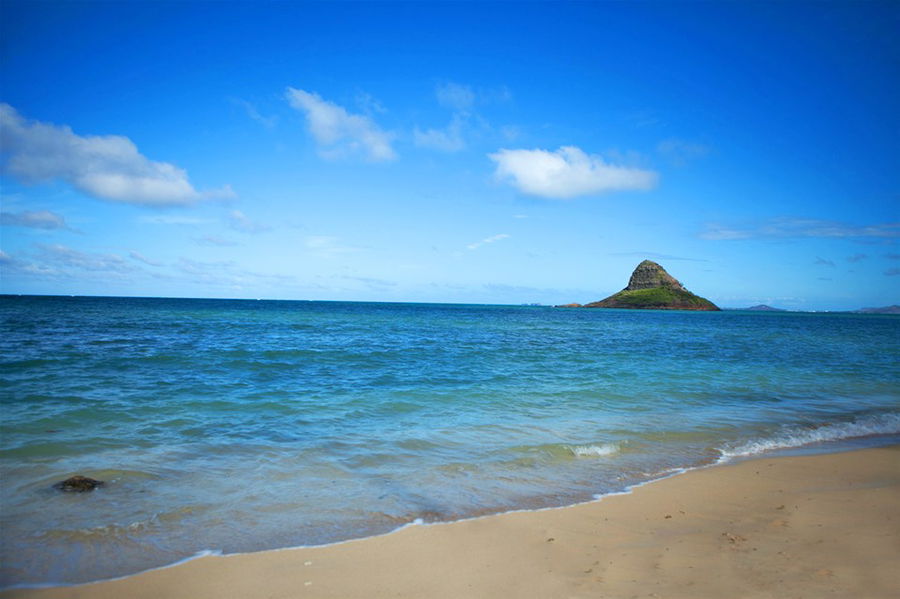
652	288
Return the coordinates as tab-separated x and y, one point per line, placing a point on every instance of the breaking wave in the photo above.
875	424
593	451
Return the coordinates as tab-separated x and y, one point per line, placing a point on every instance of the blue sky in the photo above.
452	152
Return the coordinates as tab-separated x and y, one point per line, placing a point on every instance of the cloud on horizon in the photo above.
141	258
34	219
567	173
788	228
64	255
339	133
106	167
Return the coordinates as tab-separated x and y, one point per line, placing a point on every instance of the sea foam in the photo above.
585	451
793	436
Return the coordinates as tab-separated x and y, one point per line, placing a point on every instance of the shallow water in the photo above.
241	425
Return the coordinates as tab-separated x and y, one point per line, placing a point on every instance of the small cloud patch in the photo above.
243	223
488	240
340	133
566	173
33	219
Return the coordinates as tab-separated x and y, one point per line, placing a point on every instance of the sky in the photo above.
467	152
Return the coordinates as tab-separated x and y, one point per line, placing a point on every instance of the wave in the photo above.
866	426
594	451
116	531
553	452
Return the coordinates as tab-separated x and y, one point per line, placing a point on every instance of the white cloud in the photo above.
448	139
108	167
34	219
241	222
338	132
455	96
487	240
787	228
566	173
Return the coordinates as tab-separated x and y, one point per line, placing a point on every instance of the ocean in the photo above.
236	425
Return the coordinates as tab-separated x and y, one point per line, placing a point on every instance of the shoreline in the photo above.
774	526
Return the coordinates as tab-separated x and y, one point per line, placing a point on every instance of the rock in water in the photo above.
652	288
78	484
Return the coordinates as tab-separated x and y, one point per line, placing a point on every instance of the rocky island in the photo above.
652	288
763	308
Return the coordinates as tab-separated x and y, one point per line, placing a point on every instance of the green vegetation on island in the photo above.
652	288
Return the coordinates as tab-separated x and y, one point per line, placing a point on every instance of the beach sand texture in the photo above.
809	526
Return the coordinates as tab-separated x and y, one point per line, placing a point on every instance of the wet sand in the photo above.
812	526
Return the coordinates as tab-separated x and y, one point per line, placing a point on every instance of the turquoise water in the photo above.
227	425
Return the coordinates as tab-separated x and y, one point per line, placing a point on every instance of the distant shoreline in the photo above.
430	303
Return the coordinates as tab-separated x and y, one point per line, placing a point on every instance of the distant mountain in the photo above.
652	288
764	308
895	309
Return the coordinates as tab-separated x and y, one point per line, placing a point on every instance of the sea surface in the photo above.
233	426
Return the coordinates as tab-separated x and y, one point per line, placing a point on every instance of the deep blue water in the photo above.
233	425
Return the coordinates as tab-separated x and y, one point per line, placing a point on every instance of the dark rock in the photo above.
78	484
572	305
649	275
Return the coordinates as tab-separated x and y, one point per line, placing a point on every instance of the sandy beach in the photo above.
810	526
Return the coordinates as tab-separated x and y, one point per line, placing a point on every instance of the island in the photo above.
895	309
763	308
652	288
